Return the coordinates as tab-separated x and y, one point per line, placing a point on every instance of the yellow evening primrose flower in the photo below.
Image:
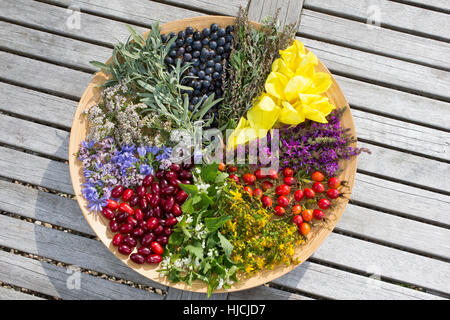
293	92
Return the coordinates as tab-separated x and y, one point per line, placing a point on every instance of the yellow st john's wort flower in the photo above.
293	93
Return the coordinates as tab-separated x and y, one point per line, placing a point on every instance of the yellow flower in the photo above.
293	92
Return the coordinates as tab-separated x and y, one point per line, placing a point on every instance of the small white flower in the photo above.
189	220
220	285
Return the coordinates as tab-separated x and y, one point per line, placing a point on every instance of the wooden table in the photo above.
391	58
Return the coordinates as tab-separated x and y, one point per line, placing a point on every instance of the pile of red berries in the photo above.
143	217
290	198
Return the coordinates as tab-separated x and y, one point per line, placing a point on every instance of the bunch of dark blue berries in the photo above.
208	52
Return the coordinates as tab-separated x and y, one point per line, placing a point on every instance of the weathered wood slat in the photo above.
382	41
392	14
290	10
11	294
364	95
42	206
14	68
176	294
402	199
396	231
405	167
59	49
265	293
229	7
63	282
402	135
380	69
35	170
332	283
389	263
66	247
403	105
436	4
35	137
71	23
24	102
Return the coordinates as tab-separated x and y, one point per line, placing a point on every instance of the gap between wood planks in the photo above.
423	5
364	20
26	292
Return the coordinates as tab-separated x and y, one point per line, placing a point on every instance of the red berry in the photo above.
141	191
304	228
298	195
258	193
234	177
154	258
266	185
288	172
171	175
126	228
248	190
124	249
324	204
144	251
147	239
113	205
137	258
266	201
334	182
176	210
175	167
152	223
139	215
232	169
290	181
148	180
117	191
283	201
318	187
125	207
127	194
171	222
317	176
130	241
283	190
279	211
297	209
131	220
108	213
259	174
307	215
249	178
114	226
309	193
117	239
156	248
333	193
222	166
297	219
318	214
273	174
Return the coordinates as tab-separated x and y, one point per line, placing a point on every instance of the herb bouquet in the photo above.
162	153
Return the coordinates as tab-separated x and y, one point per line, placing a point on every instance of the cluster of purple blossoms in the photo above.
315	146
106	165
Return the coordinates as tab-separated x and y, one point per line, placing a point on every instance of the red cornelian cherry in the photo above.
282	190
317	176
266	185
234	177
273	174
232	169
124	249
288	172
298	195
148	180
259	174
114	226
324	203
334	182
309	193
125	207
318	187
108	213
154	258
297	209
248	190
137	258
283	201
117	191
117	239
279	210
333	193
138	214
113	205
127	194
156	248
152	223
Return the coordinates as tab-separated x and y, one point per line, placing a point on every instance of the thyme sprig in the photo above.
253	53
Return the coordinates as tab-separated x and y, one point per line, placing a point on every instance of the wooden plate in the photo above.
100	225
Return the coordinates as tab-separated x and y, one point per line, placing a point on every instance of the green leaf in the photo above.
187	206
213	224
195	250
190	189
221	177
209	172
100	65
225	244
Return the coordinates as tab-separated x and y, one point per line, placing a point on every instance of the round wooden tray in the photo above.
100	225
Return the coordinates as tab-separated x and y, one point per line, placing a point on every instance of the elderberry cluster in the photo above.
208	51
